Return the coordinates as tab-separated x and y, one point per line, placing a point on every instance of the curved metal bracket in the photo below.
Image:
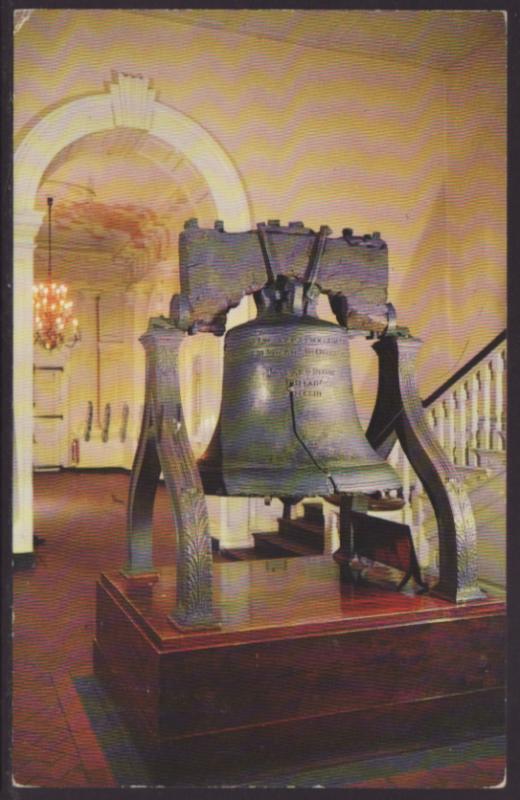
398	413
164	445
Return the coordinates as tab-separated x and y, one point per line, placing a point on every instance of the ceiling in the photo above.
437	39
121	198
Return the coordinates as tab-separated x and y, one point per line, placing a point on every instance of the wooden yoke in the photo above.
217	269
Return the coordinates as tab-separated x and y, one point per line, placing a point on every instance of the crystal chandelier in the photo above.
54	325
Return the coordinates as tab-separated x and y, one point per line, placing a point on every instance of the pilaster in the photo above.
26	226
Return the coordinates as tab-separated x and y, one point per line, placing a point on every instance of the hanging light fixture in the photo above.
54	324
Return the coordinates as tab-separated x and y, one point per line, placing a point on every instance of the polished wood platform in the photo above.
303	667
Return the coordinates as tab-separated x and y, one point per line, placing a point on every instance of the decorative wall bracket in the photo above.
164	446
398	413
132	101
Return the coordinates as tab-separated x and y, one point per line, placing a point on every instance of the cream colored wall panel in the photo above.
48	442
48	391
476	196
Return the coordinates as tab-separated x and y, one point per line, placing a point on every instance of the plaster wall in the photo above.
476	185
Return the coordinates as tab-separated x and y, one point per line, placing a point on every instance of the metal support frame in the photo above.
399	413
164	446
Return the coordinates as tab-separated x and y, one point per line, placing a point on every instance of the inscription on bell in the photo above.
268	346
287	353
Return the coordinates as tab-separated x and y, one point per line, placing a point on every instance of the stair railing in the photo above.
467	414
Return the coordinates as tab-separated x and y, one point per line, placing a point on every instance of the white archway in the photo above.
130	103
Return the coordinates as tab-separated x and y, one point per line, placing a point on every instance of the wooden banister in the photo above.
468	366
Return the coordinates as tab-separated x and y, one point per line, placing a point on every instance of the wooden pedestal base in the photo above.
303	669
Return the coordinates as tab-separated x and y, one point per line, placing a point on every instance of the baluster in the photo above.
486	406
461	449
450	419
473	387
420	507
435	420
440	415
393	460
393	456
407	509
430	416
504	395
421	543
498	386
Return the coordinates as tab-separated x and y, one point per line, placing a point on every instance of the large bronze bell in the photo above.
289	426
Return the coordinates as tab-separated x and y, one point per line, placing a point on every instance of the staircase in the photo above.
302	536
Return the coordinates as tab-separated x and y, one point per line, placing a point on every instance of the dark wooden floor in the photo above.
82	519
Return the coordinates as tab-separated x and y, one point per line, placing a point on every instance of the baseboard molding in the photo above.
98	470
104	470
22	561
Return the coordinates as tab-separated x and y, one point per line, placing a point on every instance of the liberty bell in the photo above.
288	425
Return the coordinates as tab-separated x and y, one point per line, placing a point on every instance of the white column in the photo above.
229	521
26	227
135	321
331	538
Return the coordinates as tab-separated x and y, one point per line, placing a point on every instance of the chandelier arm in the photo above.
49	239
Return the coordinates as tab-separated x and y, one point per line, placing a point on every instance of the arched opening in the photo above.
190	175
